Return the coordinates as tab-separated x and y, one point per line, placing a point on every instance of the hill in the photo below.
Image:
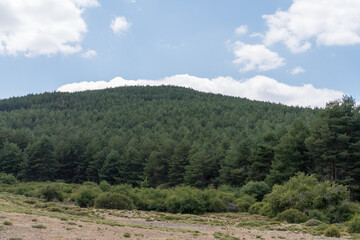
167	135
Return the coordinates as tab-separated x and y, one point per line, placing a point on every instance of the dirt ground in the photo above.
23	228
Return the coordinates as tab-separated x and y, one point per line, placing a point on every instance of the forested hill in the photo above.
166	135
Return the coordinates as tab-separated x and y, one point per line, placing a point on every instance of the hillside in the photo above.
169	136
125	135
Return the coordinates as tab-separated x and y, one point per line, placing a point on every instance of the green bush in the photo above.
149	199
305	192
104	186
267	211
245	202
354	225
255	208
113	201
7	178
318	215
312	222
332	231
292	216
185	200
342	212
51	192
216	205
86	195
256	189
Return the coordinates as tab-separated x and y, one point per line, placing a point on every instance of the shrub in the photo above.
332	231
86	195
7	178
104	186
216	205
39	226
113	201
232	207
256	189
342	212
292	216
266	210
312	222
305	192
318	215
255	208
245	202
354	225
51	192
185	200
7	223
149	199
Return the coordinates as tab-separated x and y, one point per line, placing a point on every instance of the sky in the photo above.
294	52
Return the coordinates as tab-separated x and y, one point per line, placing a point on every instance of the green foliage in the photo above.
245	202
216	205
85	195
256	189
332	231
334	144
354	224
52	192
113	201
312	222
7	178
266	210
170	135
104	186
255	208
292	216
185	200
290	155
319	215
41	163
305	192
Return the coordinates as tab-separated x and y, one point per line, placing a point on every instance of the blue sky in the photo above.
299	52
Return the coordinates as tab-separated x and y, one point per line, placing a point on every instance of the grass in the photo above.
73	215
8	223
39	226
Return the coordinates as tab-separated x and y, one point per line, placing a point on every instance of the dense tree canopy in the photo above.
171	136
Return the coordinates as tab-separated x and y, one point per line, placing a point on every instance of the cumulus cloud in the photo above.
42	27
255	57
330	22
297	70
89	54
86	3
241	30
257	88
120	25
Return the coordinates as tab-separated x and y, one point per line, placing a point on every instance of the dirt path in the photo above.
23	228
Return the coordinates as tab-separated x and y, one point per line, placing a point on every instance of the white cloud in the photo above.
89	54
241	30
260	35
42	27
86	3
257	88
330	22
255	57
120	25
297	70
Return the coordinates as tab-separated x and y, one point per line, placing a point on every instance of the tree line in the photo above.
169	136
